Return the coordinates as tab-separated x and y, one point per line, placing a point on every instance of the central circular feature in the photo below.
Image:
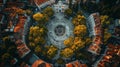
59	30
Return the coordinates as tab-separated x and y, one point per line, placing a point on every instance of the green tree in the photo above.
88	41
7	41
28	12
75	7
44	51
68	12
32	45
70	4
80	13
11	50
105	21
107	35
48	11
80	56
60	61
79	20
38	49
6	57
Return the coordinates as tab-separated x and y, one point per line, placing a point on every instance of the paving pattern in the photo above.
64	31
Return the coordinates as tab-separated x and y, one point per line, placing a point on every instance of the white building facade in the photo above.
117	22
46	3
91	25
60	6
95	31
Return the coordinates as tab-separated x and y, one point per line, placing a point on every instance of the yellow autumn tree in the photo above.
32	45
80	30
52	51
77	44
37	49
36	34
107	35
28	12
88	40
38	16
20	11
48	11
104	21
37	31
67	53
42	40
6	38
79	20
34	31
68	42
30	38
37	40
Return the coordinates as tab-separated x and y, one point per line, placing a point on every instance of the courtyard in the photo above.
59	29
59	33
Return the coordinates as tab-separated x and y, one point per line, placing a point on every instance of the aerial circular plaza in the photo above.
59	33
61	36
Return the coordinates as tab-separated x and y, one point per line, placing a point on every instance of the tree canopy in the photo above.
36	34
40	18
80	30
52	51
67	53
68	42
105	21
79	20
48	11
68	12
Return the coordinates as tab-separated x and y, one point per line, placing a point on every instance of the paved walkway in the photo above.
59	20
58	40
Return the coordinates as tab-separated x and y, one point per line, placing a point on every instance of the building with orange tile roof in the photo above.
20	25
95	31
41	63
23	50
39	2
111	57
43	3
76	64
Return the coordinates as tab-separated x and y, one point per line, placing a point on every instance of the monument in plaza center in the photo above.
60	30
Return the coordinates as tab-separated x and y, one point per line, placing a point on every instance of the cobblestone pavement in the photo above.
58	40
59	20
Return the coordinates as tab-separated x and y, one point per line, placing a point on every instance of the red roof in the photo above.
0	16
38	62
76	64
1	1
20	25
15	4
38	2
